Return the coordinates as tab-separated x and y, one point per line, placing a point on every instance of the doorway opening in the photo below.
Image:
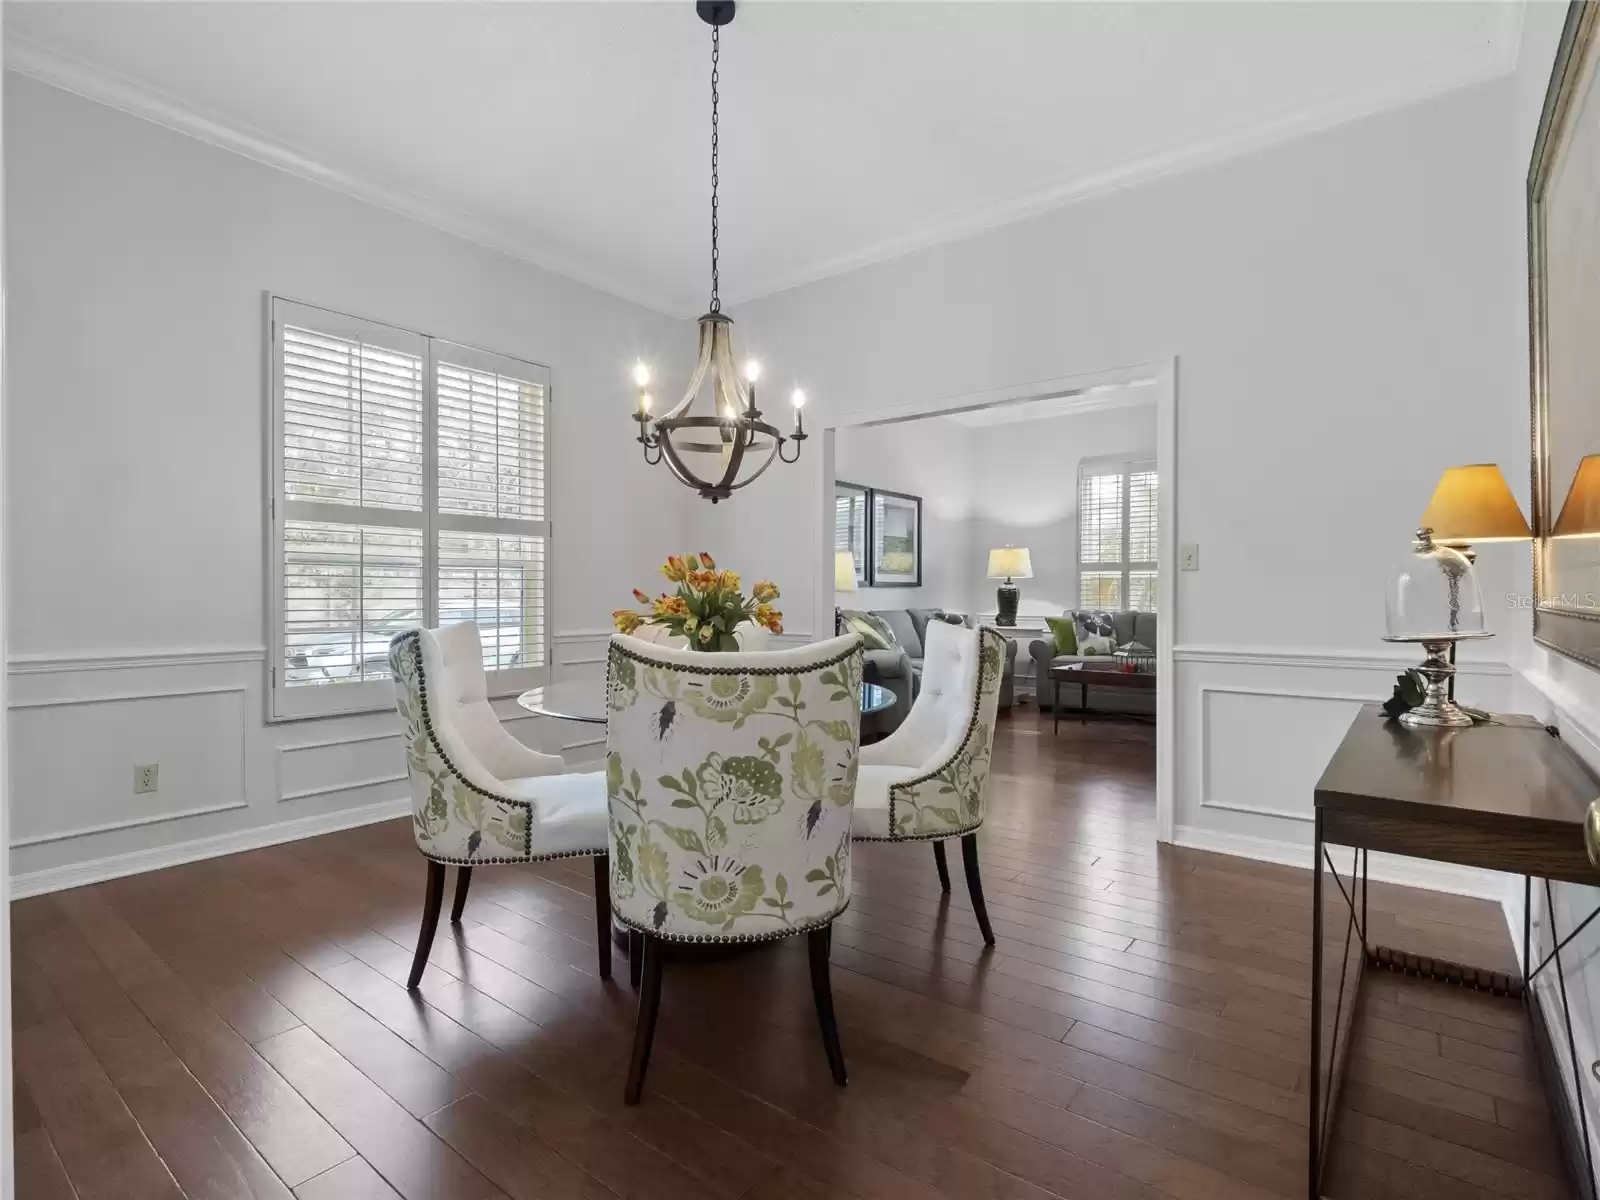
1047	510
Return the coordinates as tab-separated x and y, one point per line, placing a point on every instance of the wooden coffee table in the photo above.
1070	673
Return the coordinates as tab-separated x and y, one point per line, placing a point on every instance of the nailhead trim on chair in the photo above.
413	643
696	669
972	728
774	936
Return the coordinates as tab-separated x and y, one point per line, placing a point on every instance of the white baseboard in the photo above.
1386	868
56	879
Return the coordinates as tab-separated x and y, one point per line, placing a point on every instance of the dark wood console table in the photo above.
1507	796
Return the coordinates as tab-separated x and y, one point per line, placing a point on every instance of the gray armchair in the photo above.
891	669
1130	627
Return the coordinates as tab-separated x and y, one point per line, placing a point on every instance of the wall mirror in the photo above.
1564	313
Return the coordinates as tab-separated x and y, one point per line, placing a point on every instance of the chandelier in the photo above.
729	449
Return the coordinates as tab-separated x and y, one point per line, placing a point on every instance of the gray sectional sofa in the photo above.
899	669
1130	627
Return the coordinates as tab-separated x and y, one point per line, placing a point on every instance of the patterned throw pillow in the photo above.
1065	633
1096	634
874	631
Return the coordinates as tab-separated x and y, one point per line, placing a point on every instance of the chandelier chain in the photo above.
716	58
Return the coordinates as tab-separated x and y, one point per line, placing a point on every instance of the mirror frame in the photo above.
1569	631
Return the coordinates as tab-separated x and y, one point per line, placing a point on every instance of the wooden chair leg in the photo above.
463	882
602	911
644	1032
969	859
944	868
635	957
817	942
433	901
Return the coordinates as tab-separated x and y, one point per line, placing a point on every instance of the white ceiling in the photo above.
575	134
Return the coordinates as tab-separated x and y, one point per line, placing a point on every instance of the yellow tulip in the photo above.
671	606
728	581
765	590
674	569
626	620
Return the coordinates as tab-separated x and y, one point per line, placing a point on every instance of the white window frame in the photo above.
291	703
1126	466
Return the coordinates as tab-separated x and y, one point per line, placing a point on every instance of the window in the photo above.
850	525
408	489
1117	535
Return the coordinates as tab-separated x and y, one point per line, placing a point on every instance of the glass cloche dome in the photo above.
1433	595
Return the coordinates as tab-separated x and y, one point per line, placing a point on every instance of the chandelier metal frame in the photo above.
737	432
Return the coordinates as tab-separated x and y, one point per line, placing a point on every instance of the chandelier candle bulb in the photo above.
641	375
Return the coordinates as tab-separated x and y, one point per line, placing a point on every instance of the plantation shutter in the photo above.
350	526
1117	535
491	522
850	525
408	490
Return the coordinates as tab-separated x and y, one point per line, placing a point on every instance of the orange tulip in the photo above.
674	568
706	561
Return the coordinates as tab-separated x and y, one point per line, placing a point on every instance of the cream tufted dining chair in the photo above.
730	778
929	779
478	795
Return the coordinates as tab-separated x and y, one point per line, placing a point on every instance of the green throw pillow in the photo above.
1066	636
874	632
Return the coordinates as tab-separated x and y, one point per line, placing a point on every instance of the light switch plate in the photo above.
1189	556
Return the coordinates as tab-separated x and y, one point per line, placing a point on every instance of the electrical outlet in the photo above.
145	778
1189	557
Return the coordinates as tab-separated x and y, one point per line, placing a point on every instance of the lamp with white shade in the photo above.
1008	563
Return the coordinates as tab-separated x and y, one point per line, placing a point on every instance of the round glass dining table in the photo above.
585	700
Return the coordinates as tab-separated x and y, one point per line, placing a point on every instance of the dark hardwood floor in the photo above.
240	1028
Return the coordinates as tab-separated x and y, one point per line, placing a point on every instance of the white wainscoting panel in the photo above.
228	780
1255	726
323	766
1262	749
72	760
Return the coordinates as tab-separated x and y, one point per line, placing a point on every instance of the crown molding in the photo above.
1497	58
102	86
93	82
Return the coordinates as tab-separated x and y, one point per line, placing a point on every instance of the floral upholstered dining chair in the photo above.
929	779
478	795
730	779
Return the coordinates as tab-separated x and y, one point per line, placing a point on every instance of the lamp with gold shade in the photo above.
844	580
1474	504
1470	504
1580	511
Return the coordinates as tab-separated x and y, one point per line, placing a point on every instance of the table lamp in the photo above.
1007	563
1474	504
1580	511
844	580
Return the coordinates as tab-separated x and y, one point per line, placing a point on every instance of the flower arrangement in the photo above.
707	607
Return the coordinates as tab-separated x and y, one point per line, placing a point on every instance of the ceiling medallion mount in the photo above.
734	444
